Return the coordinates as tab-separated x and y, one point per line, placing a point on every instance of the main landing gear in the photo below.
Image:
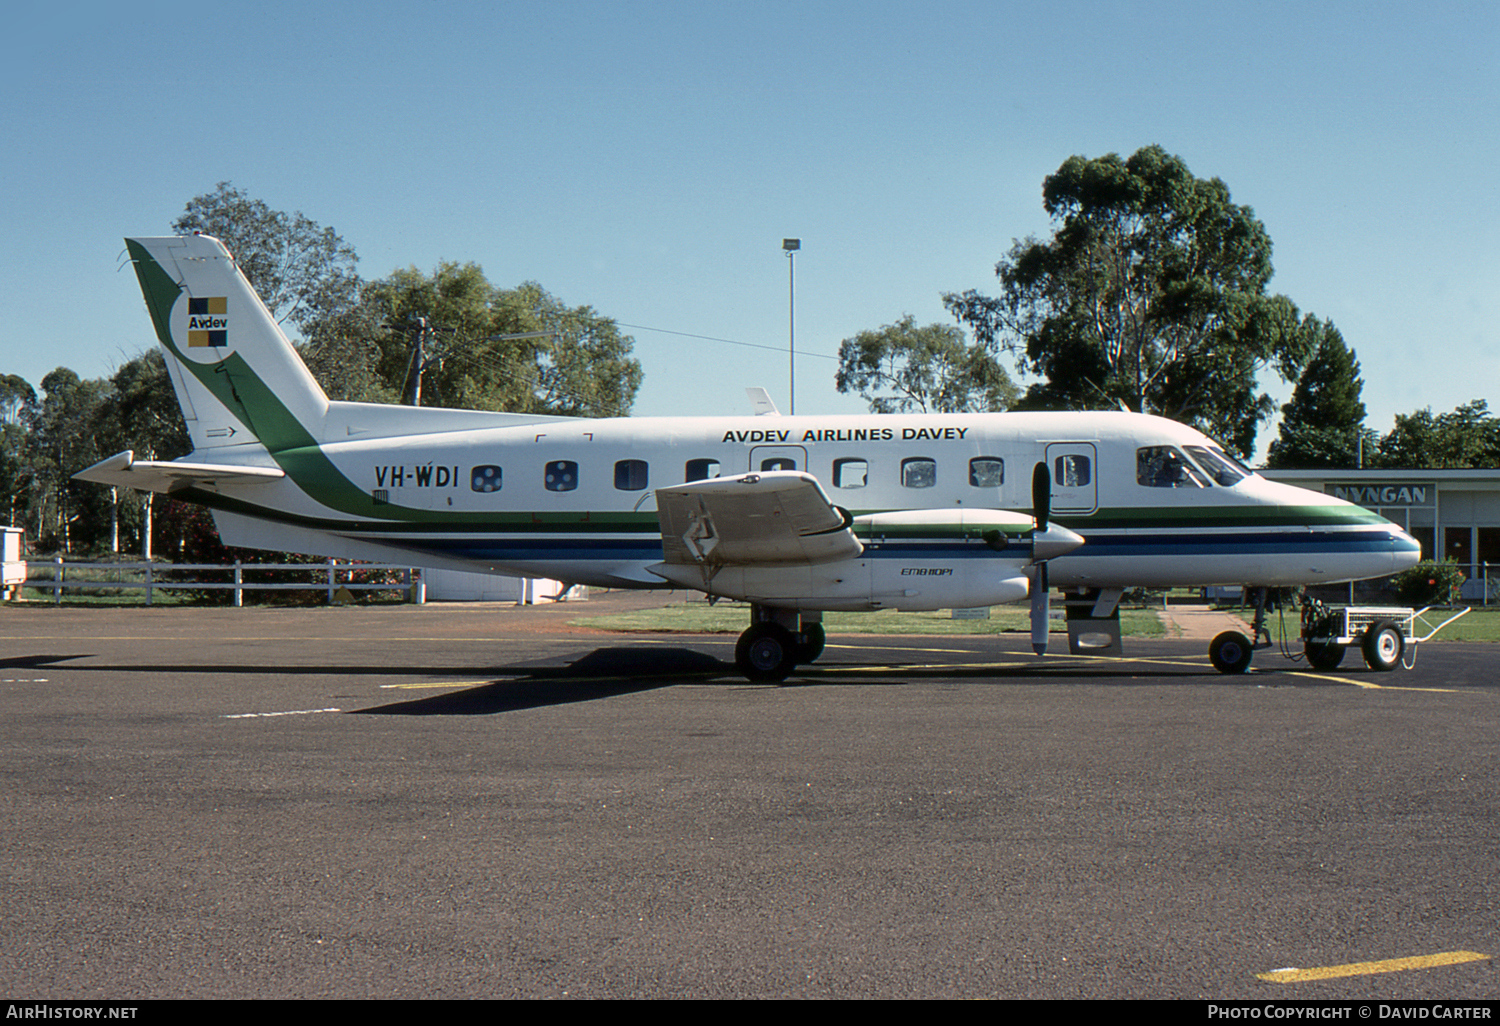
776	641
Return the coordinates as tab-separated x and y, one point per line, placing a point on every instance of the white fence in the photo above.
58	576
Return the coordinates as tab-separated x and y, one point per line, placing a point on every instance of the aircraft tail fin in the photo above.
237	377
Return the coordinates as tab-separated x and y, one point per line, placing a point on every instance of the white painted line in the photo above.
290	712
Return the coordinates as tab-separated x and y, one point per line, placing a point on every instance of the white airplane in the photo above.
795	515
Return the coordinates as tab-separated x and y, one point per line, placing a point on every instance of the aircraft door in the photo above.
777	457
1075	477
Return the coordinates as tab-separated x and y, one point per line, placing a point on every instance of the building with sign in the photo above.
1455	514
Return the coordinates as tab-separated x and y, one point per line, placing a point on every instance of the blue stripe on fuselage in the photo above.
1102	544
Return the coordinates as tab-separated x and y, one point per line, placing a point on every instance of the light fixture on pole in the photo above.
791	246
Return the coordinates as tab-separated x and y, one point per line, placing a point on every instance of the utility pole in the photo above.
791	246
420	362
414	371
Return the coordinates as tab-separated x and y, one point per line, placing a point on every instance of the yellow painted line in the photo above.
902	648
1444	691
1370	685
1389	965
833	670
437	685
157	639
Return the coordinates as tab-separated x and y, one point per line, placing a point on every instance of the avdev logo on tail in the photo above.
208	322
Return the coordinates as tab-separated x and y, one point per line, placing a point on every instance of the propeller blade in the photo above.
1041	495
1041	600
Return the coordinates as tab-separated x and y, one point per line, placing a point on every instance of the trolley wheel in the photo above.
1383	646
1323	655
1230	652
766	652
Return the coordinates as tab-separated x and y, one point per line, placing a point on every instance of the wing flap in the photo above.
123	469
776	518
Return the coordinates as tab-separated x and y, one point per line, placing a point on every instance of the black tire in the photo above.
1231	652
766	653
1323	655
1383	646
810	642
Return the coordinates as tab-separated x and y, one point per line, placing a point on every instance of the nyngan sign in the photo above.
1373	496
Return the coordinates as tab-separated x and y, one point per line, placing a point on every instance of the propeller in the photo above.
1047	542
1041	591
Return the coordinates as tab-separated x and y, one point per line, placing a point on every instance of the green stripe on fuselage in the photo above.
241	391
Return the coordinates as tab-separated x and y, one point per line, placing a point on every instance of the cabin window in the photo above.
851	473
630	475
986	472
700	470
1162	466
918	472
485	479
562	476
1072	471
778	463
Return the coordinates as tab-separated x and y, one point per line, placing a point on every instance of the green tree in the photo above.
457	314
344	351
1324	423
61	443
303	271
931	369
139	413
1467	437
1151	292
17	400
584	366
572	360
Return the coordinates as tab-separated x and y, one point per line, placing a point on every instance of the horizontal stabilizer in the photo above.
776	518
125	470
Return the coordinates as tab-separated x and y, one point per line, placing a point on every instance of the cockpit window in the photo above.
1222	467
1163	466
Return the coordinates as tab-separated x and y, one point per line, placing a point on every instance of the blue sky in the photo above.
647	158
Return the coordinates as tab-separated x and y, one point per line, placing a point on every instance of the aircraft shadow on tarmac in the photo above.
33	662
608	672
603	673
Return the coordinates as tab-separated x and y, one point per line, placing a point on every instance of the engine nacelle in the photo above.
913	560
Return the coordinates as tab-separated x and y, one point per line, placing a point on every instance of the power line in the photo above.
729	341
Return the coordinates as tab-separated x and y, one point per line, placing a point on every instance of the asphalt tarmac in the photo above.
459	801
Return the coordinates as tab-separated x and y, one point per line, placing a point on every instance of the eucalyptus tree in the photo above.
1150	293
902	368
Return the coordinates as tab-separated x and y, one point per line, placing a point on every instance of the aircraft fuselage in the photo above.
575	500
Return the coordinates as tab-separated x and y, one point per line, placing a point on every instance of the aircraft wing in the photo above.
775	518
163	476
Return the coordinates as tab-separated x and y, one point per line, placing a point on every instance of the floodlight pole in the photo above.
791	246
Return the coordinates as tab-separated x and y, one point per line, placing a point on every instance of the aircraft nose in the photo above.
1406	551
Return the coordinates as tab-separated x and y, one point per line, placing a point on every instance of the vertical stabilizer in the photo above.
238	379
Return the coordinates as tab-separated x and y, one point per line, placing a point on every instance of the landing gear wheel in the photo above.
1322	655
766	652
1383	646
810	642
1230	652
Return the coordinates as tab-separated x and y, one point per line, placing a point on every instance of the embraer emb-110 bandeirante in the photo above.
795	515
